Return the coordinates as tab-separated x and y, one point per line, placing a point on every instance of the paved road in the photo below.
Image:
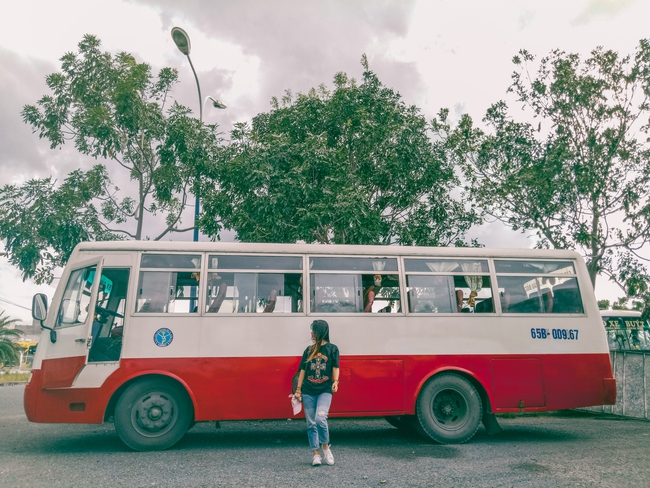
563	449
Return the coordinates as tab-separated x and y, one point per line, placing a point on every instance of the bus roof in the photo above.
184	246
620	313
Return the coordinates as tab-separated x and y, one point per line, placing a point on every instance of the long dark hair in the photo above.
321	330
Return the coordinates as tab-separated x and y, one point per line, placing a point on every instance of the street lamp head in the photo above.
182	40
217	103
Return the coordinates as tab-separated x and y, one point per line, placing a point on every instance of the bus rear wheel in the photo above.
153	415
449	409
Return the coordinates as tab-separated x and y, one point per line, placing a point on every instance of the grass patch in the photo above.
13	377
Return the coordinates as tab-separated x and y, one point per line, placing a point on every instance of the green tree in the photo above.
354	166
113	109
579	175
8	349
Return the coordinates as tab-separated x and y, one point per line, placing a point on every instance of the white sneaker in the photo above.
329	457
317	460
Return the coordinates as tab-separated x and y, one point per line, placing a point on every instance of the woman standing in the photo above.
319	378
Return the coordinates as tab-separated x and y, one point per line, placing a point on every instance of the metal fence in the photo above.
632	373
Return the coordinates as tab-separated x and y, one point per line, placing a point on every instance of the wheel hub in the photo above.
449	407
154	413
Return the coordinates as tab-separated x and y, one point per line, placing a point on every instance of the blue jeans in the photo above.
317	408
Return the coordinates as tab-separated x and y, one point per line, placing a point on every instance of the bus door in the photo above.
72	322
108	323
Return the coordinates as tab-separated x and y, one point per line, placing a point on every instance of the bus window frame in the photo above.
573	275
136	282
307	282
207	270
489	273
97	262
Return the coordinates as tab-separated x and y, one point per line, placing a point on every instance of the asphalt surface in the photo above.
550	450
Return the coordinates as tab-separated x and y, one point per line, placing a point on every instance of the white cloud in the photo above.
46	30
20	292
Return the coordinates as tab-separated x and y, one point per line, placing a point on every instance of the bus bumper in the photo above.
62	405
30	397
609	391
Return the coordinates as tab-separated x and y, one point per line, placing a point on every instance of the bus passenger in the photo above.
370	293
217	282
319	375
270	304
459	300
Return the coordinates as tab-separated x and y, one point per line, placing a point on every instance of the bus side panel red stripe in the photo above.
61	372
255	388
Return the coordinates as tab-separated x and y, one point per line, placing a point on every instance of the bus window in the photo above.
448	285
171	261
449	294
238	261
254	293
473	294
76	297
381	293
431	294
353	264
534	267
539	294
445	265
336	293
233	291
538	286
354	293
375	291
167	292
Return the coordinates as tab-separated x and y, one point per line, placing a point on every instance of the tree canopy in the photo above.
576	171
354	165
113	109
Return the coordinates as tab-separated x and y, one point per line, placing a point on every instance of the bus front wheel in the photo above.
153	415
449	409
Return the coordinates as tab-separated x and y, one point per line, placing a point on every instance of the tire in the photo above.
153	414
449	409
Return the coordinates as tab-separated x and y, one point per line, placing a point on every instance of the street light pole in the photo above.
182	41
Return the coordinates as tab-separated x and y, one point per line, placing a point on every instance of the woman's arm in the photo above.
335	380
371	299
301	378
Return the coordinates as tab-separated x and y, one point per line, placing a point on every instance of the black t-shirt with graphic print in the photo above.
318	371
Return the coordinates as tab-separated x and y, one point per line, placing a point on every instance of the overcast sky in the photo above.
435	53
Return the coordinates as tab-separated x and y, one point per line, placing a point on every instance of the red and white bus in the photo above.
158	336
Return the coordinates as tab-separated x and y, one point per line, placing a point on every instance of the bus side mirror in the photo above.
39	307
39	312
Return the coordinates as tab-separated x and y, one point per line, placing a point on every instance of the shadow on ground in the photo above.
351	433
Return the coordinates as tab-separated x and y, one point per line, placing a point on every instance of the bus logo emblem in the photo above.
163	337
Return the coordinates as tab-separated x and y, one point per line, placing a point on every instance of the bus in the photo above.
156	336
626	330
